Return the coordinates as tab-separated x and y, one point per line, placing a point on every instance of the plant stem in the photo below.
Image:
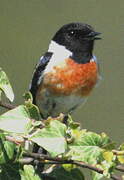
7	105
57	160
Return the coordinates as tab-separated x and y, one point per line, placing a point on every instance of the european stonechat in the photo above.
67	72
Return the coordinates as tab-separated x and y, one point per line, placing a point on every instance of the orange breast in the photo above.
72	78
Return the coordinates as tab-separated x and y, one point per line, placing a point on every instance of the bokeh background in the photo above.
26	27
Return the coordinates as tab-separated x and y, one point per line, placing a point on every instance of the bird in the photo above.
67	73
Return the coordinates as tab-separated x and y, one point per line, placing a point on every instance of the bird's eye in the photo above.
71	33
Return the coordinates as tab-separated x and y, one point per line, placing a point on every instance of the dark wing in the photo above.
38	72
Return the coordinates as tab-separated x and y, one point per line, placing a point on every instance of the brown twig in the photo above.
120	168
7	105
16	139
57	160
26	160
116	177
118	153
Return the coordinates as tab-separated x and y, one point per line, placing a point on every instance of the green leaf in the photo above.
93	139
6	151
71	124
10	171
121	159
87	147
107	143
60	173
51	138
29	173
108	156
28	96
15	120
120	154
88	154
108	168
32	109
121	147
97	176
5	86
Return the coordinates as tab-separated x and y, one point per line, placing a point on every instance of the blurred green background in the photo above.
26	27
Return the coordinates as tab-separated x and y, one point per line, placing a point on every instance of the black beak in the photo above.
93	35
96	34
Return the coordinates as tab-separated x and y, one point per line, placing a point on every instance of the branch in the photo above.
57	160
120	168
116	177
7	105
26	160
16	139
118	153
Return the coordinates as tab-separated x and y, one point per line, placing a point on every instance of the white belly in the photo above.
51	105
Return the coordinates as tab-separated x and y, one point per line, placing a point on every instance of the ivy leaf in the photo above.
29	173
15	120
88	147
28	96
108	156
121	147
107	165
96	176
5	85
121	159
6	150
60	173
89	154
32	109
51	138
10	171
71	124
120	154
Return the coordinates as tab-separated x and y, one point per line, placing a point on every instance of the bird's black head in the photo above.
79	39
